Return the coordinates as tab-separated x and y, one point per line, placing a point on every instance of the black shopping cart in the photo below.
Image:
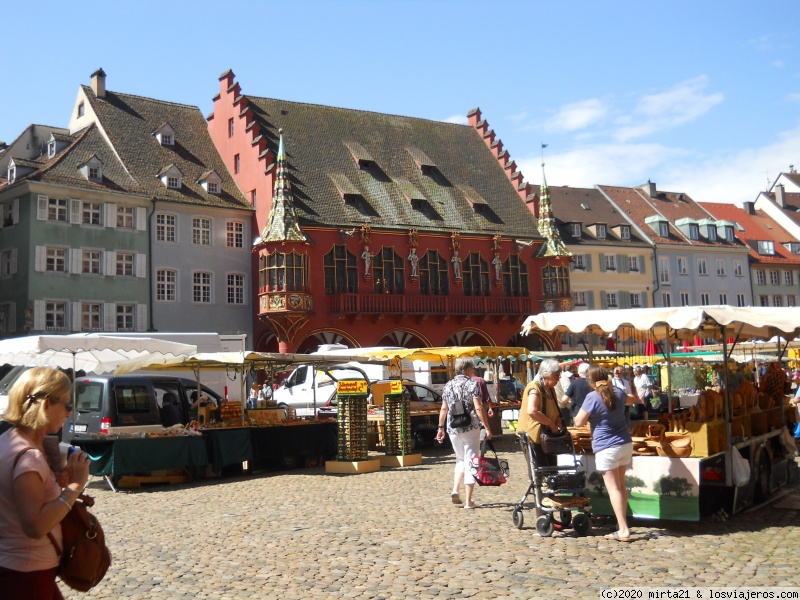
558	494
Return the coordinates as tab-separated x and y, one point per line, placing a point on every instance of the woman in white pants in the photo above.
465	439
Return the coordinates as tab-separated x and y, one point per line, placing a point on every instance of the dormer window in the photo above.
210	181
729	234
766	248
575	230
694	232
12	173
663	229
711	233
165	135
51	148
793	247
171	177
92	169
601	232
625	232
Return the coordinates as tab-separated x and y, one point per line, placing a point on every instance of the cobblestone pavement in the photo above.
395	534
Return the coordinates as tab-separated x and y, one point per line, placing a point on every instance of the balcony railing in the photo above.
428	305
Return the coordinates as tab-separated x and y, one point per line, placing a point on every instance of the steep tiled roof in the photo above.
438	160
568	207
130	121
792	209
757	227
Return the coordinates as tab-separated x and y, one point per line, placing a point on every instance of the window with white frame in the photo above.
635	300
7	267
5	318
663	230
625	232
761	278
694	232
167	140
165	228
234	234
601	232
788	278
56	260
173	182
683	265
705	299
791	300
575	230
578	263
92	213
51	149
611	299
738	271
125	217
90	262
741	300
611	262
125	264
57	210
633	263
720	266
201	231
125	320
666	299
663	270
765	247
213	187
578	298
774	277
90	317
55	315
723	298
776	301
201	287
235	288
711	233
702	267
94	173
166	285
763	300
685	299
729	234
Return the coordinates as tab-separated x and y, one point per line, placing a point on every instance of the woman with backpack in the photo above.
461	416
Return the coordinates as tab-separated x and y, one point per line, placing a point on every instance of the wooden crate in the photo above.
741	426
707	438
774	415
759	422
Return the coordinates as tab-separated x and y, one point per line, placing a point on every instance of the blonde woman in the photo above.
32	502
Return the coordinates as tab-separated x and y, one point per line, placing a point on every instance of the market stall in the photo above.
687	468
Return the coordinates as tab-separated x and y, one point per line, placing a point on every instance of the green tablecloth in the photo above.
118	457
228	447
315	439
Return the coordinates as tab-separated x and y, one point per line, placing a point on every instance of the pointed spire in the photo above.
282	224
554	245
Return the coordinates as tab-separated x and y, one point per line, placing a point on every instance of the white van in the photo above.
306	387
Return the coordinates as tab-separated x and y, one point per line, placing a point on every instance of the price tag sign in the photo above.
358	386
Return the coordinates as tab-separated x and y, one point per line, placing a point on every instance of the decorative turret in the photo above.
282	224
554	245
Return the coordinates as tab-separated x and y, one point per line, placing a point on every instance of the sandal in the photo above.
455	498
469	506
615	536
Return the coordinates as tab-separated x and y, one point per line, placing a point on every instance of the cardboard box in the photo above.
707	438
741	427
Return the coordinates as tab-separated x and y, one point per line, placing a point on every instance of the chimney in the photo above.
650	189
99	83
749	207
780	197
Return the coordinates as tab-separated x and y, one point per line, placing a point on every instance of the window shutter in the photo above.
141	317
587	262
41	213
77	325
76	260
622	263
643	299
602	263
109	316
141	218
15	211
111	215
642	265
75	209
12	317
603	300
572	265
38	315
624	299
110	263
40	259
141	265
589	297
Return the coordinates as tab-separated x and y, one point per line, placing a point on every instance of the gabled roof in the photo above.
129	121
438	160
754	228
588	206
792	209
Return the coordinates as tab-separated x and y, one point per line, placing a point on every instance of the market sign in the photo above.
395	387
357	386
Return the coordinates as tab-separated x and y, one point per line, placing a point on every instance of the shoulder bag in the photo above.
489	471
85	558
559	442
459	415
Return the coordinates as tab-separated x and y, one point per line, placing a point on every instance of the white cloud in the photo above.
518	118
681	104
778	64
794	97
457	119
577	115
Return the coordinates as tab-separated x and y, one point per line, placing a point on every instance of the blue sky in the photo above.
699	97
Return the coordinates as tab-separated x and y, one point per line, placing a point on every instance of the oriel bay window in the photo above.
475	275
281	272
433	274
555	281
515	277
341	271
388	272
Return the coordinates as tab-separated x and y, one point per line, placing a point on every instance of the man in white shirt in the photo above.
623	384
643	385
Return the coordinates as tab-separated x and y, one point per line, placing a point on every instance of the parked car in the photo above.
131	403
